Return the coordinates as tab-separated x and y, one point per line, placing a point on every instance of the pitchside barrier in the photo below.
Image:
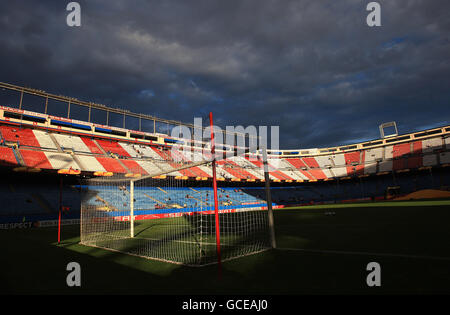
161	216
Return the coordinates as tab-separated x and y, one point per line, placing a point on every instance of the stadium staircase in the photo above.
18	156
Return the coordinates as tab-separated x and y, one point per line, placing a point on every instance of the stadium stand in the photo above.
61	161
21	136
7	156
134	167
111	164
71	142
360	171
111	146
91	145
149	167
90	163
45	140
444	157
35	159
90	154
132	149
432	144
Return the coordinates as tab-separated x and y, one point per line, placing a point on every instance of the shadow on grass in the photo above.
35	265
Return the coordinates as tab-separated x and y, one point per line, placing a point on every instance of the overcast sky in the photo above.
312	67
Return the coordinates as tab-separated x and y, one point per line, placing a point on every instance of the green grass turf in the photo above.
336	240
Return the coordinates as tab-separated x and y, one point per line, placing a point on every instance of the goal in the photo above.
172	215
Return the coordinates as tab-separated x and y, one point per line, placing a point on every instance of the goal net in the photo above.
169	214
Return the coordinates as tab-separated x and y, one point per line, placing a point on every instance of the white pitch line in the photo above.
188	242
322	251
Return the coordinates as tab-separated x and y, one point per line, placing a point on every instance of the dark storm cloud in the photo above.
312	67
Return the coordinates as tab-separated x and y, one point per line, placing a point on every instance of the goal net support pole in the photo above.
132	208
216	203
60	208
269	199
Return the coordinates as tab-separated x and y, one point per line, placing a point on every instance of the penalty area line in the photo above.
340	252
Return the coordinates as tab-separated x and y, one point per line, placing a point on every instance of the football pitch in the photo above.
320	250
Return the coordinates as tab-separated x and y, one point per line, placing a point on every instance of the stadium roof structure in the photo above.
91	105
